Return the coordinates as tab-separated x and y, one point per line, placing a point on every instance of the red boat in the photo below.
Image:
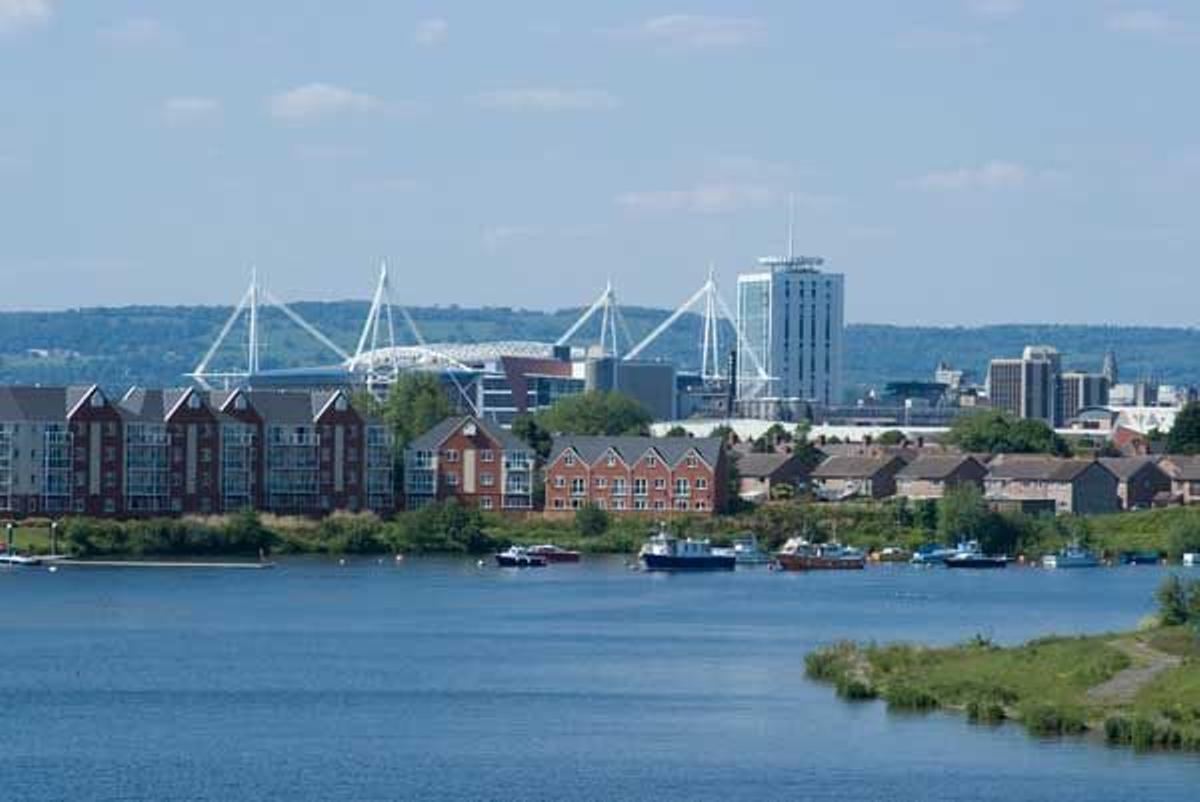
554	554
800	555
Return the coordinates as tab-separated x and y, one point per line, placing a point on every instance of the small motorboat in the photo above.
892	554
518	557
1073	556
664	552
798	554
554	554
746	551
1140	558
7	558
970	555
932	554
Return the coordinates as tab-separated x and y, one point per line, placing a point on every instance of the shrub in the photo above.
1045	718
981	711
903	696
591	521
1172	601
853	688
1118	730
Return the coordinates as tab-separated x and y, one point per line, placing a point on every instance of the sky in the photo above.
960	161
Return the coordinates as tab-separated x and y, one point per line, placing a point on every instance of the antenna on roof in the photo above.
791	224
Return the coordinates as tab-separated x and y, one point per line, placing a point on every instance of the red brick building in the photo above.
476	462
637	474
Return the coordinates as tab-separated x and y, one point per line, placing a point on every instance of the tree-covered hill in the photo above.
157	344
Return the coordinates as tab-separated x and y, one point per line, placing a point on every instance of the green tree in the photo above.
596	413
724	432
416	402
591	521
533	434
962	514
1184	437
996	432
1183	536
678	431
1172	601
892	437
1193	602
925	514
783	492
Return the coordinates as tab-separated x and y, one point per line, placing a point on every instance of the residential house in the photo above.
476	462
759	473
1140	480
842	478
1074	485
930	476
637	474
1185	477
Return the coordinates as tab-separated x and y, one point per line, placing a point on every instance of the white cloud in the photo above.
190	110
547	99
17	14
1142	21
317	101
990	176
695	31
431	32
137	32
996	9
701	199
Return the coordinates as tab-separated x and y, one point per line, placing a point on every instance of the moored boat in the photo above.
746	551
664	552
970	555
798	554
1073	556
933	554
554	554
517	557
1140	558
7	558
892	554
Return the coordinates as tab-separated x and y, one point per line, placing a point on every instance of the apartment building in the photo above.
473	461
637	474
178	451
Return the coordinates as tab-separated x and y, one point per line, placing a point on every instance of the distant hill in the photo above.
156	345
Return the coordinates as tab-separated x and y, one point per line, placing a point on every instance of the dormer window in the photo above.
469	430
340	404
96	401
193	401
651	461
569	459
239	402
611	461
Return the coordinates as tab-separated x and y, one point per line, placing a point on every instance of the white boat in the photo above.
17	559
934	554
745	551
1073	556
663	552
1191	559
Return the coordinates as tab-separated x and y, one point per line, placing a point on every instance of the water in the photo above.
436	679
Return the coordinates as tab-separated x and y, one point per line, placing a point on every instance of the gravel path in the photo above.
1148	663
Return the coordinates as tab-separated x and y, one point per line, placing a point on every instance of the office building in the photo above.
1027	387
790	321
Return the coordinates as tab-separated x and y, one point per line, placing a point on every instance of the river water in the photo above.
437	679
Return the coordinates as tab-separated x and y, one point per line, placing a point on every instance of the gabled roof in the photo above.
77	395
1026	467
1183	468
27	404
432	439
1127	467
762	466
931	467
142	405
631	449
853	467
283	406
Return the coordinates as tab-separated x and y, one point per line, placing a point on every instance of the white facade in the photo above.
792	316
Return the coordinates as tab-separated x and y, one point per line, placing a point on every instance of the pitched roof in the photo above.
853	467
760	466
1127	467
434	437
20	404
1027	467
1183	468
929	466
142	405
672	449
283	406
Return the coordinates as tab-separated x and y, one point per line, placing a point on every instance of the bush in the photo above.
591	521
1045	718
910	697
981	711
1172	601
855	689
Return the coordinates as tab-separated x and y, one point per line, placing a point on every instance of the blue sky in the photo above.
961	161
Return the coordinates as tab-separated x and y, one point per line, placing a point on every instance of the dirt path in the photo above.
1148	663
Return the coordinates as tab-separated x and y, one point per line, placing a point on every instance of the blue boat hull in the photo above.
660	562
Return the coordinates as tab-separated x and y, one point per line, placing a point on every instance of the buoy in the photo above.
479	563
342	561
53	568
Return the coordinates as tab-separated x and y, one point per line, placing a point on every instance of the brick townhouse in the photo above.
472	461
176	451
637	474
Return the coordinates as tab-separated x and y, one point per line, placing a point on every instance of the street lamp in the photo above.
54	538
8	529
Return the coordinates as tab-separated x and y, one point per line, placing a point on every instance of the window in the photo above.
601	481
487	455
682	487
569	459
651	461
701	505
639	503
601	504
558	504
560	482
576	503
340	404
618	503
578	486
691	461
618	487
96	401
660	505
239	403
681	504
451	455
660	484
193	401
702	484
611	460
487	480
450	479
110	505
485	502
639	487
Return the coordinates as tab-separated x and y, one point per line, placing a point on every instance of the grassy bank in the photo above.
1140	689
454	529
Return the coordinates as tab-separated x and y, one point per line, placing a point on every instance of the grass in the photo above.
1042	684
